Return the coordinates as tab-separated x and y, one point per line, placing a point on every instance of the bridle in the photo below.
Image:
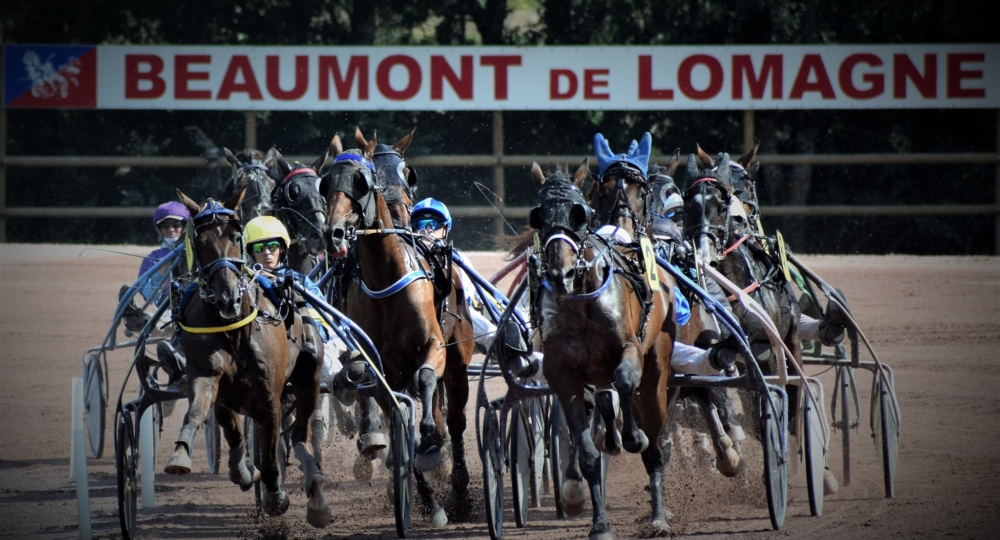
304	178
222	217
344	183
388	161
254	172
620	205
703	227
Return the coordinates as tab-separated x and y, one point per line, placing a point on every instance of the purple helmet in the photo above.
171	210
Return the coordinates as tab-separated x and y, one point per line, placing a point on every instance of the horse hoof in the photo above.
830	484
363	470
660	527
274	504
600	532
638	445
612	447
245	476
727	460
318	513
573	496
179	464
439	518
369	444
428	461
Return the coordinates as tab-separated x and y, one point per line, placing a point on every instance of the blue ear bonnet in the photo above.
637	155
214	207
355	157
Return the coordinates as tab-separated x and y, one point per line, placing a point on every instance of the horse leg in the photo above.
654	398
578	404
372	440
438	516
457	388
305	384
727	459
240	473
203	393
429	450
273	499
627	376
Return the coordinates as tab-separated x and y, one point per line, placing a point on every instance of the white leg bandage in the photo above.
691	360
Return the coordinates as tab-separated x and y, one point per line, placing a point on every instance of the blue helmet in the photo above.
431	208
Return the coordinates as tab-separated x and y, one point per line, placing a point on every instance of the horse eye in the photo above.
293	192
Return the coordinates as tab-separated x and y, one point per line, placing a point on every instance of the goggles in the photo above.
272	246
170	224
429	224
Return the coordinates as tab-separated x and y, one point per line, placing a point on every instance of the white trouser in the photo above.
808	328
691	360
332	350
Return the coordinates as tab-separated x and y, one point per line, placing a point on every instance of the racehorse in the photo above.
250	172
601	323
715	220
298	204
395	175
236	338
422	334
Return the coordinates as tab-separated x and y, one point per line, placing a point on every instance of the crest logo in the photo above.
50	76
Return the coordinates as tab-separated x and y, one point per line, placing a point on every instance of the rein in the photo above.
218	329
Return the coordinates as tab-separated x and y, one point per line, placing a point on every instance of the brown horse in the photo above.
298	204
422	334
239	359
601	322
397	178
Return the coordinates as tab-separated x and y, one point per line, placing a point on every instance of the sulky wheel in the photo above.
537	423
492	440
127	464
844	380
886	432
213	442
402	470
520	461
775	463
559	442
95	404
815	456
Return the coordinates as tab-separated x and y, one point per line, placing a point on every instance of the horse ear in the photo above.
233	202
188	203
403	143
370	147
283	166
230	157
336	147
724	172
747	158
581	172
704	160
692	167
271	157
753	168
675	161
359	139
537	176
318	164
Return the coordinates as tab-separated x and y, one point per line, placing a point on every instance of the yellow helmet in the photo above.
264	228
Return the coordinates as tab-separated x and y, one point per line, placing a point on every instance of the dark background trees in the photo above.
492	22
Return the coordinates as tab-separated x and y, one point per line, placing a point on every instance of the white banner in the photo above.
543	78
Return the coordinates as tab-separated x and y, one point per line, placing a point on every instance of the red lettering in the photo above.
440	70
133	76
590	82
812	63
956	75
772	67
714	76
301	78
239	64
357	66
876	81
414	76
183	75
556	77
903	68
646	90
500	64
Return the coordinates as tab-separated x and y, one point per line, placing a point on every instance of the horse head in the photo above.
218	246
562	220
665	202
707	217
297	200
350	189
397	179
250	172
621	195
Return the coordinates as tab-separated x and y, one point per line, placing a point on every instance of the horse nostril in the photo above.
338	234
571	273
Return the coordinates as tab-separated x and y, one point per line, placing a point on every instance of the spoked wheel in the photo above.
520	460
844	380
492	440
886	431
402	470
95	404
213	442
558	452
815	456
775	464
537	432
127	463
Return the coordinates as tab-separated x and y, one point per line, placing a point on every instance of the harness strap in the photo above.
300	170
590	295
563	237
219	329
733	247
750	288
395	287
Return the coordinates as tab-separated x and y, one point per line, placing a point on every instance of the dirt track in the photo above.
936	321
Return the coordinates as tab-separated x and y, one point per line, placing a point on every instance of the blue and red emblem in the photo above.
50	77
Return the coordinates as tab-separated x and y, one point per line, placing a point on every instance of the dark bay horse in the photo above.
397	178
296	201
601	323
251	174
422	335
238	360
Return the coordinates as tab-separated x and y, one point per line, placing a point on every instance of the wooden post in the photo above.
498	178
250	129
748	133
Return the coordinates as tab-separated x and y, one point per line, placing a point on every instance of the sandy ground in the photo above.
935	320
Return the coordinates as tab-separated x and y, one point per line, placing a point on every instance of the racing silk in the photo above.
310	286
158	282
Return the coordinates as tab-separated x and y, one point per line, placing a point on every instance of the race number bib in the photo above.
649	257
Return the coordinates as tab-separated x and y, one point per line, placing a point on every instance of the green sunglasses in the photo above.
259	247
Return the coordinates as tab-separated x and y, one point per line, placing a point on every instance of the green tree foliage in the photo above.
517	22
